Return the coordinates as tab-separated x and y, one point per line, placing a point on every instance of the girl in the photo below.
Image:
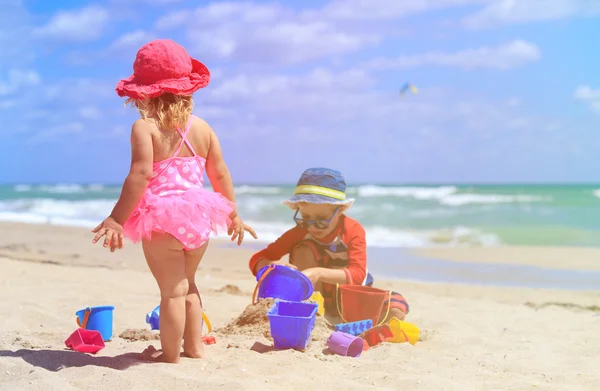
163	202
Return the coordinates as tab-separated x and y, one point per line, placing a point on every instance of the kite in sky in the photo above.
407	86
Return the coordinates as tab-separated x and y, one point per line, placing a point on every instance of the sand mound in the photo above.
254	322
231	289
133	335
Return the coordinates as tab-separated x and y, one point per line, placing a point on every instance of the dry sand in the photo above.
571	258
473	337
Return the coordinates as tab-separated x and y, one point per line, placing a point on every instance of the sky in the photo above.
509	90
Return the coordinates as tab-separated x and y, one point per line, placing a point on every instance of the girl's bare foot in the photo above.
153	355
194	351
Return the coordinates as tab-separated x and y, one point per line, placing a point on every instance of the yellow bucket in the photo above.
318	298
403	331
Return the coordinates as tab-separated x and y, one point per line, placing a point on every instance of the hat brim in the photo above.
293	202
197	79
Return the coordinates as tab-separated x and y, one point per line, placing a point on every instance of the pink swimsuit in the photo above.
177	203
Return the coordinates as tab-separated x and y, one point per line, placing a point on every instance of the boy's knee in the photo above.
396	313
302	251
303	256
179	289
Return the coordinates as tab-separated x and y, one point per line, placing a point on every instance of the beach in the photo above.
473	337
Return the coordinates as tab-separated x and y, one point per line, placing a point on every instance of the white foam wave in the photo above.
257	190
22	188
60	188
89	213
467	199
445	195
597	193
419	193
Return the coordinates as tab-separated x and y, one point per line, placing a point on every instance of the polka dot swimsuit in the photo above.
176	202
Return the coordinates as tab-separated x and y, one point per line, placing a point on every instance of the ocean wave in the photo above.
88	213
419	193
468	199
257	190
444	195
60	188
597	193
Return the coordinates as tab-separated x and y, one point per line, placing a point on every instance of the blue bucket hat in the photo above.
320	186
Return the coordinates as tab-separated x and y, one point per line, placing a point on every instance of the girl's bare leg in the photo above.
192	337
166	260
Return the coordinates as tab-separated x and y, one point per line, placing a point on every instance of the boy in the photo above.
326	245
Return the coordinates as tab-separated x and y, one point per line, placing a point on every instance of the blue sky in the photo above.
509	91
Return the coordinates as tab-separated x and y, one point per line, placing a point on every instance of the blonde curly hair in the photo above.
170	111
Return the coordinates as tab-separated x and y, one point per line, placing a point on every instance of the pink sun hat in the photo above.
163	66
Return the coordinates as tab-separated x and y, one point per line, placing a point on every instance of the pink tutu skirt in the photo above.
189	215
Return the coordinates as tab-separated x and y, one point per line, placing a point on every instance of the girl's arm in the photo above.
220	179
217	171
140	172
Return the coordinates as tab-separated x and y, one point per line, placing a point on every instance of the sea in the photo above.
396	218
399	216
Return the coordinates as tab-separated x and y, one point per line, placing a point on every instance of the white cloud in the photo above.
15	31
131	40
512	102
588	95
502	57
124	47
7	104
150	2
377	10
68	129
263	33
335	104
18	79
500	12
85	24
90	112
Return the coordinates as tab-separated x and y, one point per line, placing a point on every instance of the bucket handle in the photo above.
86	316
205	318
264	275
338	298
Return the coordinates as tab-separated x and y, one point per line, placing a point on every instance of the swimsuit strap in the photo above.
184	139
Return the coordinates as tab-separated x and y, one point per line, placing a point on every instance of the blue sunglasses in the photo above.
319	224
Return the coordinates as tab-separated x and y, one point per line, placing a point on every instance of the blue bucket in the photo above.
284	283
153	318
100	319
292	323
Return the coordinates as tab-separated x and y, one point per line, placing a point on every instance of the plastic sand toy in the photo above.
345	344
97	318
354	328
292	323
85	341
403	331
282	282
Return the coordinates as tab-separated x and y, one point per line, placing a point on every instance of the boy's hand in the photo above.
237	228
112	232
313	274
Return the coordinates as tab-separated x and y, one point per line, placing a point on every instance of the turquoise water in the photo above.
393	215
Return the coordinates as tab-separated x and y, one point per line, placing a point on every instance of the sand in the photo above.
569	258
473	337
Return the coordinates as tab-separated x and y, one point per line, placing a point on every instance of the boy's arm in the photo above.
274	251
356	271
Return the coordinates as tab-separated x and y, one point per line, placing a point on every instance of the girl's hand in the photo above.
112	231
237	228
